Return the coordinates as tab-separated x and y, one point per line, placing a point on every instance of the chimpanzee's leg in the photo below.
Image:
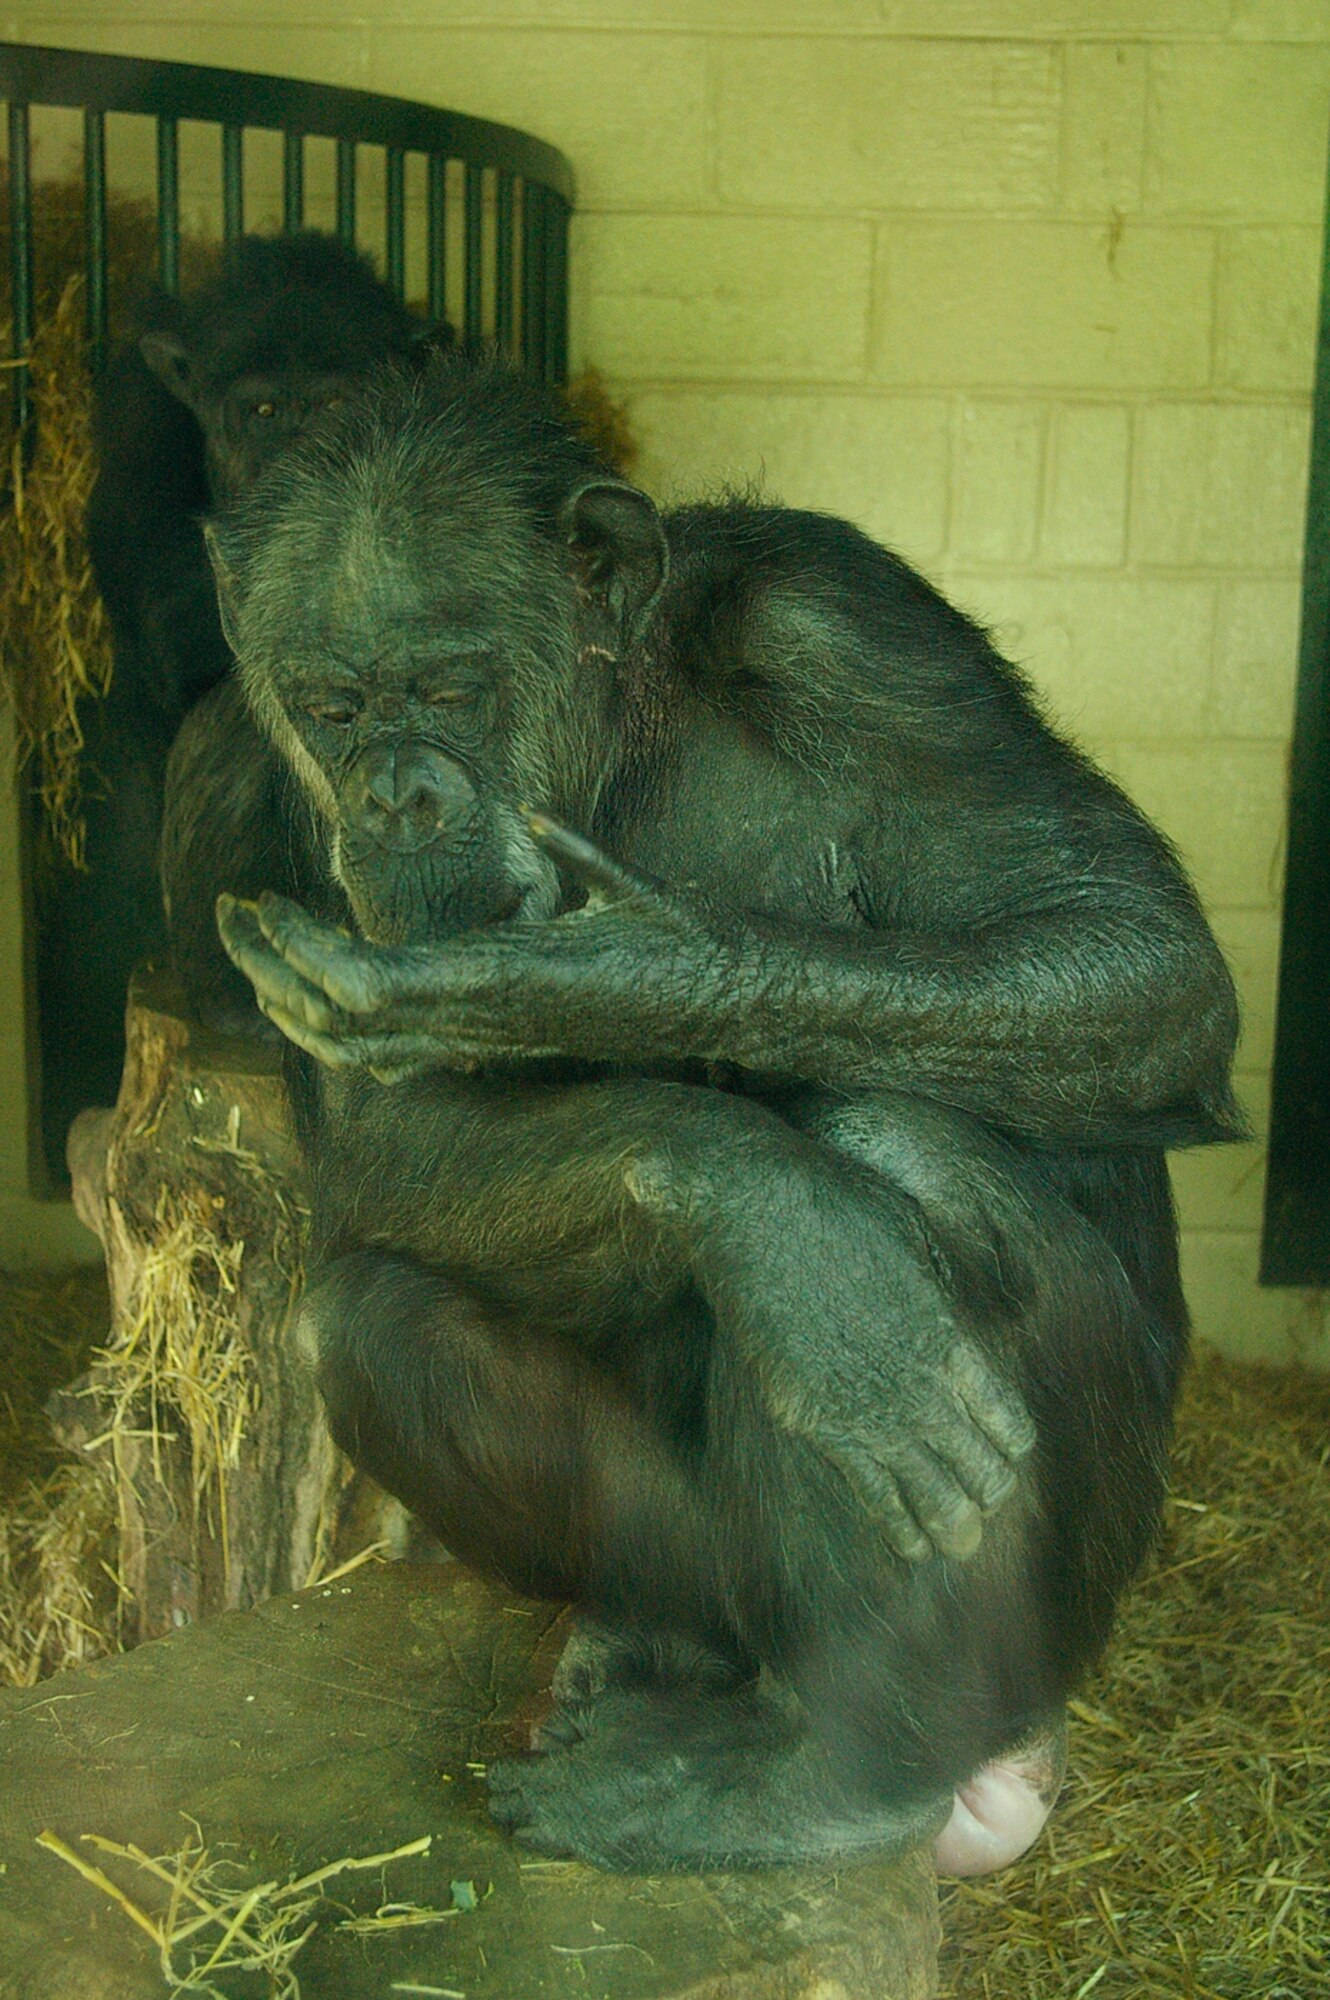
582	1472
582	1207
530	1460
521	1456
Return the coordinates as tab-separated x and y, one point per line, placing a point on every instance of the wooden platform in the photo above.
347	1720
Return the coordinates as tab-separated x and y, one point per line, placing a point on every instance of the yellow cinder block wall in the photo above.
1026	287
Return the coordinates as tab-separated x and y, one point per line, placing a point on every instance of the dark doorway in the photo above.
1296	1244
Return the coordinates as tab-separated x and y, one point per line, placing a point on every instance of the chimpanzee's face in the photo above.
402	740
412	698
431	629
252	418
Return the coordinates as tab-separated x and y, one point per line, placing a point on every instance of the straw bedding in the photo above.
1189	1857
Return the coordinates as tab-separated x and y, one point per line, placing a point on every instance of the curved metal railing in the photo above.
496	202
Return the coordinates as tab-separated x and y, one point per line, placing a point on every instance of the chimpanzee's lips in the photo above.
436	920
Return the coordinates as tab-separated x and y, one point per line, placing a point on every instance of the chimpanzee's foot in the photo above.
654	1780
1001	1811
600	1656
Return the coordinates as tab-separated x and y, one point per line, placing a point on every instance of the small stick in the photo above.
420	1846
54	1845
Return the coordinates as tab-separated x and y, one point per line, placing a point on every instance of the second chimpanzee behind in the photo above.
188	414
769	1249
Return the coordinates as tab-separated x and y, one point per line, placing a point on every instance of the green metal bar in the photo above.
503	261
346	191
556	289
533	280
474	209
20	257
436	235
38	75
168	203
233	182
94	232
394	191
293	181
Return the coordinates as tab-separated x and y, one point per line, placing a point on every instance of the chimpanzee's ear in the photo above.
168	357
228	594
619	542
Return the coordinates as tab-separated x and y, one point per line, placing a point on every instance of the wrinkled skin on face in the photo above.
742	1039
399	700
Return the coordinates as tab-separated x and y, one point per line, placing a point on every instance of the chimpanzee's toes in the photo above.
588	1661
567	1722
507	1782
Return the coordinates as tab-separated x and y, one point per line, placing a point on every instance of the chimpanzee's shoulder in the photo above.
786	599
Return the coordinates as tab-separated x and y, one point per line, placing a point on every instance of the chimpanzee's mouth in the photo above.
496	875
415	906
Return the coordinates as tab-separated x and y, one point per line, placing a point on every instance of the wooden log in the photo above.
354	1719
229	1487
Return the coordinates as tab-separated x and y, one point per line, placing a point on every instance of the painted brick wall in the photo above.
1026	287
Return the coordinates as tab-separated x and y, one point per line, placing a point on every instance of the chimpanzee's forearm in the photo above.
1059	1028
1056	1030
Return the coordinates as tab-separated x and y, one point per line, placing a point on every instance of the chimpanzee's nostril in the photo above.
404	795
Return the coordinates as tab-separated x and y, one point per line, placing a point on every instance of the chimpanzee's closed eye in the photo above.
337	709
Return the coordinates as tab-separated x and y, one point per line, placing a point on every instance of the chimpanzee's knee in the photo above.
363	1323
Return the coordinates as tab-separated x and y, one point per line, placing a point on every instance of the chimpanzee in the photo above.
745	1041
187	415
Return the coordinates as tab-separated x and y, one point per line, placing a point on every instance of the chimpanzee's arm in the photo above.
583	1208
1102	1022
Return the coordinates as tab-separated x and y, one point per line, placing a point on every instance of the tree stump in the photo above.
350	1721
228	1485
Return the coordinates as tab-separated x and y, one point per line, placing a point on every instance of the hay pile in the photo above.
178	1369
54	642
55	645
58	1596
209	1926
1189	1857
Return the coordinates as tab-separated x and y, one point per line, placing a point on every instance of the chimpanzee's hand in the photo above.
606	981
830	1291
324	989
931	1442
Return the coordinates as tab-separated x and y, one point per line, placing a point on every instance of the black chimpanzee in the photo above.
754	1226
187	415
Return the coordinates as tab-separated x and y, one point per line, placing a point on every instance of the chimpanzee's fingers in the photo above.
237	922
350	973
389	1059
874	1482
325	1047
987	1476
584	861
275	983
899	1527
941	1506
997	1409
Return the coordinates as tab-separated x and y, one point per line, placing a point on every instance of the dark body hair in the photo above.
749	1075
